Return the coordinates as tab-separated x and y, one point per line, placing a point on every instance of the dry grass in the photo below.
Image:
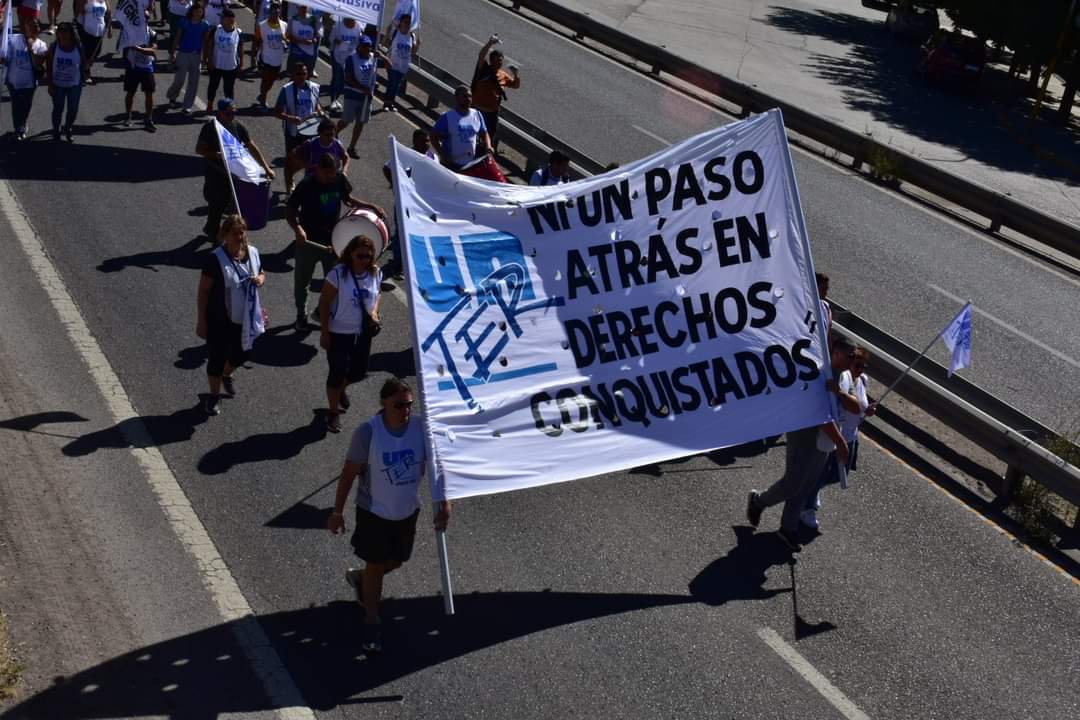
10	669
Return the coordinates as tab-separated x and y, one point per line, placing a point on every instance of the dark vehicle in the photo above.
911	22
953	58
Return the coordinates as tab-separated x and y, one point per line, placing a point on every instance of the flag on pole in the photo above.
250	187
412	7
238	160
957	337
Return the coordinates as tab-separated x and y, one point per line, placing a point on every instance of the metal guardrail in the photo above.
1000	209
965	408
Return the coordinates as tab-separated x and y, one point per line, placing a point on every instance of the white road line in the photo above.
651	134
809	673
1011	328
509	60
189	530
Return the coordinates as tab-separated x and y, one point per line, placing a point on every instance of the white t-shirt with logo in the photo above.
390	488
401	49
212	10
226	46
353	292
20	61
303	30
349	37
460	132
93	18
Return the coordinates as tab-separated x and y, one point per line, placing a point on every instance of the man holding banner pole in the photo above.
217	184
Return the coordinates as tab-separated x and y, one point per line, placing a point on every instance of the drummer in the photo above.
312	212
326	143
297	102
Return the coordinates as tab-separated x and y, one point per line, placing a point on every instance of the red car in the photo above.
953	58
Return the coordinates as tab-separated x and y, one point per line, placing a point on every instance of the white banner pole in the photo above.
440	535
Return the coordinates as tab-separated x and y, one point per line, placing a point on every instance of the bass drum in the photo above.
360	222
485	168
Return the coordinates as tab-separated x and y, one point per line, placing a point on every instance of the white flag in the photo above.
5	42
237	158
957	337
412	7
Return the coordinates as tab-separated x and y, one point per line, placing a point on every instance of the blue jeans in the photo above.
831	475
393	83
62	96
21	102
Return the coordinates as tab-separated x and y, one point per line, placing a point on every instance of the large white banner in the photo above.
365	11
662	309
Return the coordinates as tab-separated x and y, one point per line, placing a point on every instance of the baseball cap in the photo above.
226	104
364	40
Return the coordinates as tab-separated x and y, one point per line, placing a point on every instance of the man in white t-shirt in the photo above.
557	171
388	454
460	131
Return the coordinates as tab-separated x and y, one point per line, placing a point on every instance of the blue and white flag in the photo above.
238	160
957	337
412	7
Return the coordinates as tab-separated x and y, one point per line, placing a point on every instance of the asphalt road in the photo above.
640	594
905	270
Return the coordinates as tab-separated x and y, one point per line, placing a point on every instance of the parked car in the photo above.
912	22
953	58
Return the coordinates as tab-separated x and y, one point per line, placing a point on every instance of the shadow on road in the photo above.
87	163
877	75
140	432
264	446
30	423
204	675
741	574
190	255
723	458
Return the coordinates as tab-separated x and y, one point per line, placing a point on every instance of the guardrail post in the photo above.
1011	483
856	163
432	103
995	223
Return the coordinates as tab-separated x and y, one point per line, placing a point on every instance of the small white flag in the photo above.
957	337
237	158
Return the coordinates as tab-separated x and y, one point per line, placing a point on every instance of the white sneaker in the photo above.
809	519
335	106
355	578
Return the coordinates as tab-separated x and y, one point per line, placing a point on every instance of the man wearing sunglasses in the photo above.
388	455
215	183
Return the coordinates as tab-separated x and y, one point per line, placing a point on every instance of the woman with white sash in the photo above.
230	315
349	314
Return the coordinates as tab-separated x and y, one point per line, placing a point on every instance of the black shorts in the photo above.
348	358
139	80
378	540
224	343
263	67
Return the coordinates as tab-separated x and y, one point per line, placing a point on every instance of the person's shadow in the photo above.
140	432
205	674
189	255
264	446
741	575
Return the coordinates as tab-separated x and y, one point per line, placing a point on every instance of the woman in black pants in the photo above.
230	315
349	313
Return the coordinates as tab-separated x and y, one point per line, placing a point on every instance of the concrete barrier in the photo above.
999	209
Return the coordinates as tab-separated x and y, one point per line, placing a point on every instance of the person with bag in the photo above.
224	55
186	56
349	316
230	313
25	59
64	66
388	454
93	19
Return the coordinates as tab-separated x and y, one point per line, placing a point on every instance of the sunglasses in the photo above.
402	405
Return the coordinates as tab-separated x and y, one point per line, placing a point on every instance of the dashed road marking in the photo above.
809	673
219	582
